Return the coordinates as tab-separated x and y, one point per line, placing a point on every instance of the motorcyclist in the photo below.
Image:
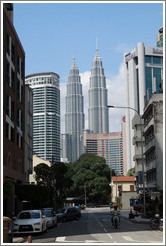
115	212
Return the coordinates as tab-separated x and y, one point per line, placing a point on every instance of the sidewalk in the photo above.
137	219
18	240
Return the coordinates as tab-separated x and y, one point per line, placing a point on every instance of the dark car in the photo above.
137	206
69	213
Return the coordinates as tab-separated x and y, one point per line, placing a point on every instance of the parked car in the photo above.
51	217
30	221
69	213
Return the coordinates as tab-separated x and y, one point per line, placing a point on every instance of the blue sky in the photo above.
52	32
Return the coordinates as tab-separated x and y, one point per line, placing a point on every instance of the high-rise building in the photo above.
72	141
160	37
13	108
108	146
143	75
98	110
46	115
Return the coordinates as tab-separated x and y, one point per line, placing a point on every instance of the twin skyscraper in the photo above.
98	119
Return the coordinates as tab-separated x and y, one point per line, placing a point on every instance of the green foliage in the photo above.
90	172
7	188
42	175
33	193
131	172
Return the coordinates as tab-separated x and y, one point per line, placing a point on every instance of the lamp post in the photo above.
111	106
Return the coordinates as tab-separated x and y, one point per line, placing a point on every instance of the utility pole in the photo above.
143	171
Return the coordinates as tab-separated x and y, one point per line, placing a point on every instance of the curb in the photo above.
136	221
18	240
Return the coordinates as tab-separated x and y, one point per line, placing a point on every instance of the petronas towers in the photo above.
72	140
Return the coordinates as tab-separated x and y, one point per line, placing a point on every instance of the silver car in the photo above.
51	217
30	221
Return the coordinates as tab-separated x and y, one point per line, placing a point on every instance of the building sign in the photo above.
157	51
130	56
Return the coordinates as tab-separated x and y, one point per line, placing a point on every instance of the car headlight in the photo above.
38	223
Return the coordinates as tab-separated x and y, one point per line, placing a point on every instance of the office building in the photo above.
143	76
72	140
108	146
98	111
13	108
46	115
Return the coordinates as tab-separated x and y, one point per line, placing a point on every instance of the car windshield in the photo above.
28	215
47	213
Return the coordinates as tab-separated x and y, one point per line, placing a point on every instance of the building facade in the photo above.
46	115
98	110
36	161
108	146
28	132
72	140
13	107
120	185
143	76
153	133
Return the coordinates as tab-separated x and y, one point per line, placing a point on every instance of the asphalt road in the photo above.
94	226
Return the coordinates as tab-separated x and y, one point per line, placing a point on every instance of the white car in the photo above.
30	221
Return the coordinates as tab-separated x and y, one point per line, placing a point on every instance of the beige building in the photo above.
37	160
121	185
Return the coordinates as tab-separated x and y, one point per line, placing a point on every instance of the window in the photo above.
8	73
13	79
13	53
131	187
156	60
148	59
8	45
12	134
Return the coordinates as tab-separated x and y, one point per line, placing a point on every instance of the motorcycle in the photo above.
156	222
116	221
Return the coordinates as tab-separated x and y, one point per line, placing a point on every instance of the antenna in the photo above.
96	44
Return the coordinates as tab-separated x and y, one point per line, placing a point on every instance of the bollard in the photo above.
29	240
6	227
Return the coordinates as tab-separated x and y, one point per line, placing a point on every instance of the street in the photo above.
95	227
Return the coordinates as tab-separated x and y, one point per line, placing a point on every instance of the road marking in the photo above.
110	236
60	239
127	238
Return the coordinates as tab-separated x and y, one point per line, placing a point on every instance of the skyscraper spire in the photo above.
98	111
74	117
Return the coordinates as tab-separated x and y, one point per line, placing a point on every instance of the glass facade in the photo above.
153	70
46	115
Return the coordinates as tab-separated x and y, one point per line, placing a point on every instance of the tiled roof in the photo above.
124	179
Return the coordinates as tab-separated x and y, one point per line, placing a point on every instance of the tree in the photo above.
42	175
131	172
90	172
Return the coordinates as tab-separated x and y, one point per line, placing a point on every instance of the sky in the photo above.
52	33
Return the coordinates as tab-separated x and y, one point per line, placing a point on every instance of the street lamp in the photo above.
111	106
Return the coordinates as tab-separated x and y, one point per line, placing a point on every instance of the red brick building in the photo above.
13	107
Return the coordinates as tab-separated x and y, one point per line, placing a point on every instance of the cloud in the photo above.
123	47
116	92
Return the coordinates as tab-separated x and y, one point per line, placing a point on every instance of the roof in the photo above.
124	179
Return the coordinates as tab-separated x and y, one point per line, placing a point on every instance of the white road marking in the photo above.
110	236
60	239
127	238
